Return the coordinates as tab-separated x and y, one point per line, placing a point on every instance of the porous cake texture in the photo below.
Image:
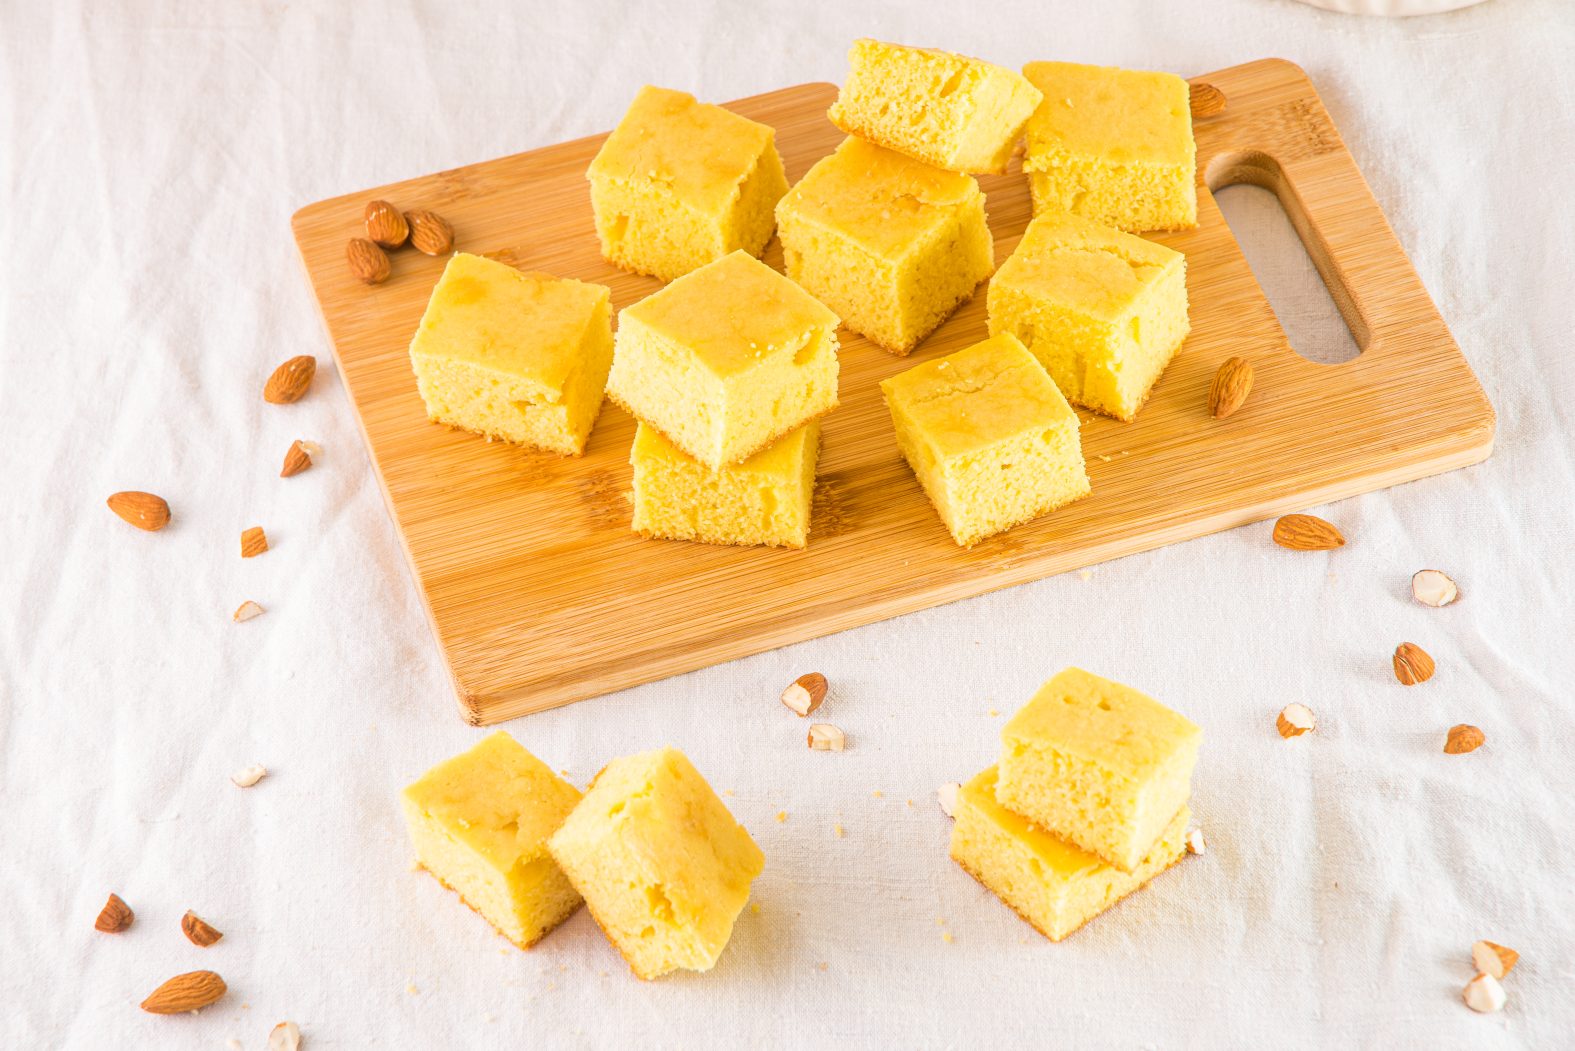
511	355
991	439
1049	882
1099	764
891	244
763	500
947	110
664	868
1102	310
726	360
479	823
681	183
1112	145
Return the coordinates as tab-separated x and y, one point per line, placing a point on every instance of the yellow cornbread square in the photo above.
1099	764
989	436
1112	145
513	355
479	823
664	868
763	500
891	244
681	183
1049	882
948	110
726	360
1102	310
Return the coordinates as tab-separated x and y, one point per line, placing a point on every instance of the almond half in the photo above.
286	1036
290	380
1232	383
1464	738
806	693
253	542
1205	100
1484	995
1307	533
385	224
199	931
115	916
1494	959
1295	720
1433	587
191	991
296	460
247	610
143	510
823	737
1412	664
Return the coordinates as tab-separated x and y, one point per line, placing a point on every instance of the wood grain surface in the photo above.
538	592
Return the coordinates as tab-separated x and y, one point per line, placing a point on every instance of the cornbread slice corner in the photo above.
954	112
1103	311
763	500
479	823
1049	882
726	360
891	244
991	439
512	355
681	183
1098	764
664	868
1112	145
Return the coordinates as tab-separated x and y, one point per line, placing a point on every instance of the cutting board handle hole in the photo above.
1281	245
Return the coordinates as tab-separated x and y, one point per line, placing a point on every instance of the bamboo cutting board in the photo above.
538	592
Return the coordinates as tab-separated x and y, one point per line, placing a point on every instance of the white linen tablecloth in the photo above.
150	157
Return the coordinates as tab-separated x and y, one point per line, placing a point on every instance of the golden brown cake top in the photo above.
733	313
977	397
698	151
783	458
1098	269
488	314
1122	116
1103	722
880	199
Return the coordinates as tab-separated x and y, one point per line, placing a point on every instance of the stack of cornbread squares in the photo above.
1087	804
728	368
649	848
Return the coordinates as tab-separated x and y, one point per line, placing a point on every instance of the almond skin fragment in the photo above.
1307	533
290	380
199	931
430	232
191	991
1433	587
115	916
1206	100
1232	383
296	460
1412	664
1463	738
806	693
823	737
1493	959
385	224
143	510
368	262
253	542
1295	720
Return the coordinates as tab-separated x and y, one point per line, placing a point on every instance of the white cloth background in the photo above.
150	157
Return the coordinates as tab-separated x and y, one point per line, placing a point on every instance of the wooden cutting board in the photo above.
538	592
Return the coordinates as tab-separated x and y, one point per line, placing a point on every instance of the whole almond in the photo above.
143	510
1232	383
199	931
290	380
368	262
1463	738
1412	664
806	693
1307	533
191	991
1206	100
115	916
253	542
296	460
430	232
1493	958
386	224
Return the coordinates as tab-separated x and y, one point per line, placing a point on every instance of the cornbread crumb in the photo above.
781	816
840	831
878	793
680	183
948	110
946	936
